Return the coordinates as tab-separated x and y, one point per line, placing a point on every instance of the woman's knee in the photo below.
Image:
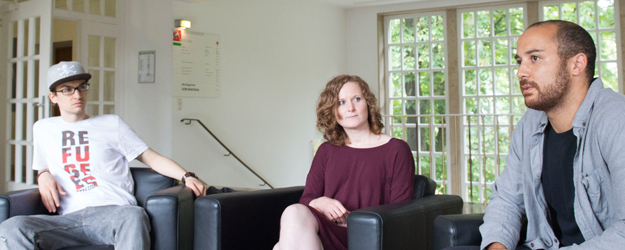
297	214
296	211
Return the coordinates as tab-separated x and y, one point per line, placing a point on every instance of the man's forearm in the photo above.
162	164
502	223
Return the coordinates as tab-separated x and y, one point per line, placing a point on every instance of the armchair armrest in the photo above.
21	202
171	218
402	225
242	220
457	230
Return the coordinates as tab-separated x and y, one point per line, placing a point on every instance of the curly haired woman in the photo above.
357	167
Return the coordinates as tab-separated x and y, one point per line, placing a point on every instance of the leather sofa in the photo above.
251	220
169	207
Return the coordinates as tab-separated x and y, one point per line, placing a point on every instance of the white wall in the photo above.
146	107
276	56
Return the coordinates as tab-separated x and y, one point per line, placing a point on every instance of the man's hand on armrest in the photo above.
49	190
198	187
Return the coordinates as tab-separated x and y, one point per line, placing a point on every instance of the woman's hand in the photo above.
332	209
49	190
343	220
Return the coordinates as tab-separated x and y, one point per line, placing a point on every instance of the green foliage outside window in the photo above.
488	85
417	86
424	83
424	163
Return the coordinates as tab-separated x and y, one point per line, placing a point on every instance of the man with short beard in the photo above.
565	172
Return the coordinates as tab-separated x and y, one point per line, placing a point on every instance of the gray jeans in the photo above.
126	227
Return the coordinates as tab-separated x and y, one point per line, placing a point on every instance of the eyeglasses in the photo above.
70	91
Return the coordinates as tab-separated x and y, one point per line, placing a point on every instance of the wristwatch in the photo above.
188	174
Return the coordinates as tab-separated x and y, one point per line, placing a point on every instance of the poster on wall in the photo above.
196	64
147	66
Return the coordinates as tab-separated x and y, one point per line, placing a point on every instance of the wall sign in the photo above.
196	64
147	63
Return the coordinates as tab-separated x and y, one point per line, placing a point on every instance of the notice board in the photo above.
196	64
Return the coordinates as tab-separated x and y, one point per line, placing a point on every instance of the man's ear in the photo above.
578	64
52	97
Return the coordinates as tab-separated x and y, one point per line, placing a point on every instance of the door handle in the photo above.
41	103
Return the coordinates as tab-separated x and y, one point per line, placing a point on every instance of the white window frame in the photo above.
481	155
444	155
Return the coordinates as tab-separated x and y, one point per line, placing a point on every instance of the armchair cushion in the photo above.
423	186
21	202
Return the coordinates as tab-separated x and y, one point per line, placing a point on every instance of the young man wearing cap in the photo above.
84	174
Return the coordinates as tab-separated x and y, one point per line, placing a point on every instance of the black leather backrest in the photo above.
423	186
147	182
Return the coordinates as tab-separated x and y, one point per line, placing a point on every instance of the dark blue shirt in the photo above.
557	179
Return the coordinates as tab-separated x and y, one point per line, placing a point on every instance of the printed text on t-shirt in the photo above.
81	175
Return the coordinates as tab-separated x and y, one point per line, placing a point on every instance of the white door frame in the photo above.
25	107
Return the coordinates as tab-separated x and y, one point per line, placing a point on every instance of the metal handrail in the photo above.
189	120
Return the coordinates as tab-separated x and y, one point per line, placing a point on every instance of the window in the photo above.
101	66
490	92
416	73
95	7
478	109
597	17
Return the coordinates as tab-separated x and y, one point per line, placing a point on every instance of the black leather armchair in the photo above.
457	230
462	230
242	220
169	207
251	220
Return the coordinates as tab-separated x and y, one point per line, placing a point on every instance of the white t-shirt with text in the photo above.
89	159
